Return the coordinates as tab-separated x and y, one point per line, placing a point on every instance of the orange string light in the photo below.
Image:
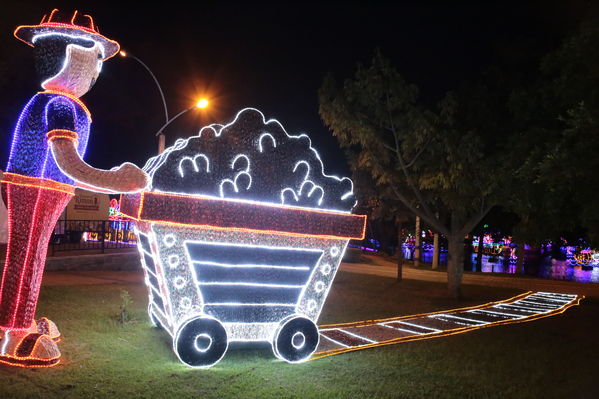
359	218
44	184
414	316
62	134
68	26
91	21
445	333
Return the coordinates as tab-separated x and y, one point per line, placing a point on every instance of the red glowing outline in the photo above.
28	181
94	30
52	14
27	254
39	186
91	20
10	213
22	361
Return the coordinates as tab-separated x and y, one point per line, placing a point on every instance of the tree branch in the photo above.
432	221
387	146
409	165
403	166
468	226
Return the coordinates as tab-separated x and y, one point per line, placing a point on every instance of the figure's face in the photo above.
80	70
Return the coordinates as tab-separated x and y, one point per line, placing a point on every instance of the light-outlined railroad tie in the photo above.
346	337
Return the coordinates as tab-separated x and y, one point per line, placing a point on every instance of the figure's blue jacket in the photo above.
30	153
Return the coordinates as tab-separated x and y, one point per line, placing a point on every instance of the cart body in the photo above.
221	270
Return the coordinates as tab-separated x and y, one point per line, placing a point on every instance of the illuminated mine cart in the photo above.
222	270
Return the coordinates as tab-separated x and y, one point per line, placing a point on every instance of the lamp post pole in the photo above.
202	103
166	119
159	133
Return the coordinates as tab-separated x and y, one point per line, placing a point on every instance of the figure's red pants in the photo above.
32	215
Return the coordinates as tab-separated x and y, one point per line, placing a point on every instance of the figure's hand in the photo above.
123	179
131	176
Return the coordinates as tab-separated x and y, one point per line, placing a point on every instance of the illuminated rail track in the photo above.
346	337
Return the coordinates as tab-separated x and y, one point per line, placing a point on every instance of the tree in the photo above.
557	141
384	207
440	165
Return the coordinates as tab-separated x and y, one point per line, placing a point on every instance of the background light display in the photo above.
240	238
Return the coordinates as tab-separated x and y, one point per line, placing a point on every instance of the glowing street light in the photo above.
203	103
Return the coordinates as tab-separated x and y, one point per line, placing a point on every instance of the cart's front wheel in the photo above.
201	342
296	339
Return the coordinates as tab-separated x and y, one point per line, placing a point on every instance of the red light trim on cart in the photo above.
252	202
157	212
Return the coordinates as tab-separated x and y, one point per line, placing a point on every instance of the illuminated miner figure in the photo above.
44	166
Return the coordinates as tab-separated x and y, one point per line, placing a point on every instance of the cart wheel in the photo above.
201	342
296	339
153	319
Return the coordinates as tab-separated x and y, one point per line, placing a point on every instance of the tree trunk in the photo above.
436	251
536	258
455	264
556	249
417	234
399	252
479	254
468	249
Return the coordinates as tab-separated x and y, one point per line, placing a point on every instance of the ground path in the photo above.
52	278
382	268
378	267
385	268
551	297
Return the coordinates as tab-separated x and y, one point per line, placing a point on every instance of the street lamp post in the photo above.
160	135
125	54
166	119
202	103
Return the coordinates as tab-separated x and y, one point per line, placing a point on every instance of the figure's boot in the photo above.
25	348
47	327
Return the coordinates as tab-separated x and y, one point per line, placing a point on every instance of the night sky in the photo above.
272	56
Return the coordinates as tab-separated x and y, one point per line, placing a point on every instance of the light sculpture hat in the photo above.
81	26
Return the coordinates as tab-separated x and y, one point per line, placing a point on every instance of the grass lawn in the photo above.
556	357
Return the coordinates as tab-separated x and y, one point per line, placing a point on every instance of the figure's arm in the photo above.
125	178
94	189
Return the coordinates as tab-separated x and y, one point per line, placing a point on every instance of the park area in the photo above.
296	200
110	354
